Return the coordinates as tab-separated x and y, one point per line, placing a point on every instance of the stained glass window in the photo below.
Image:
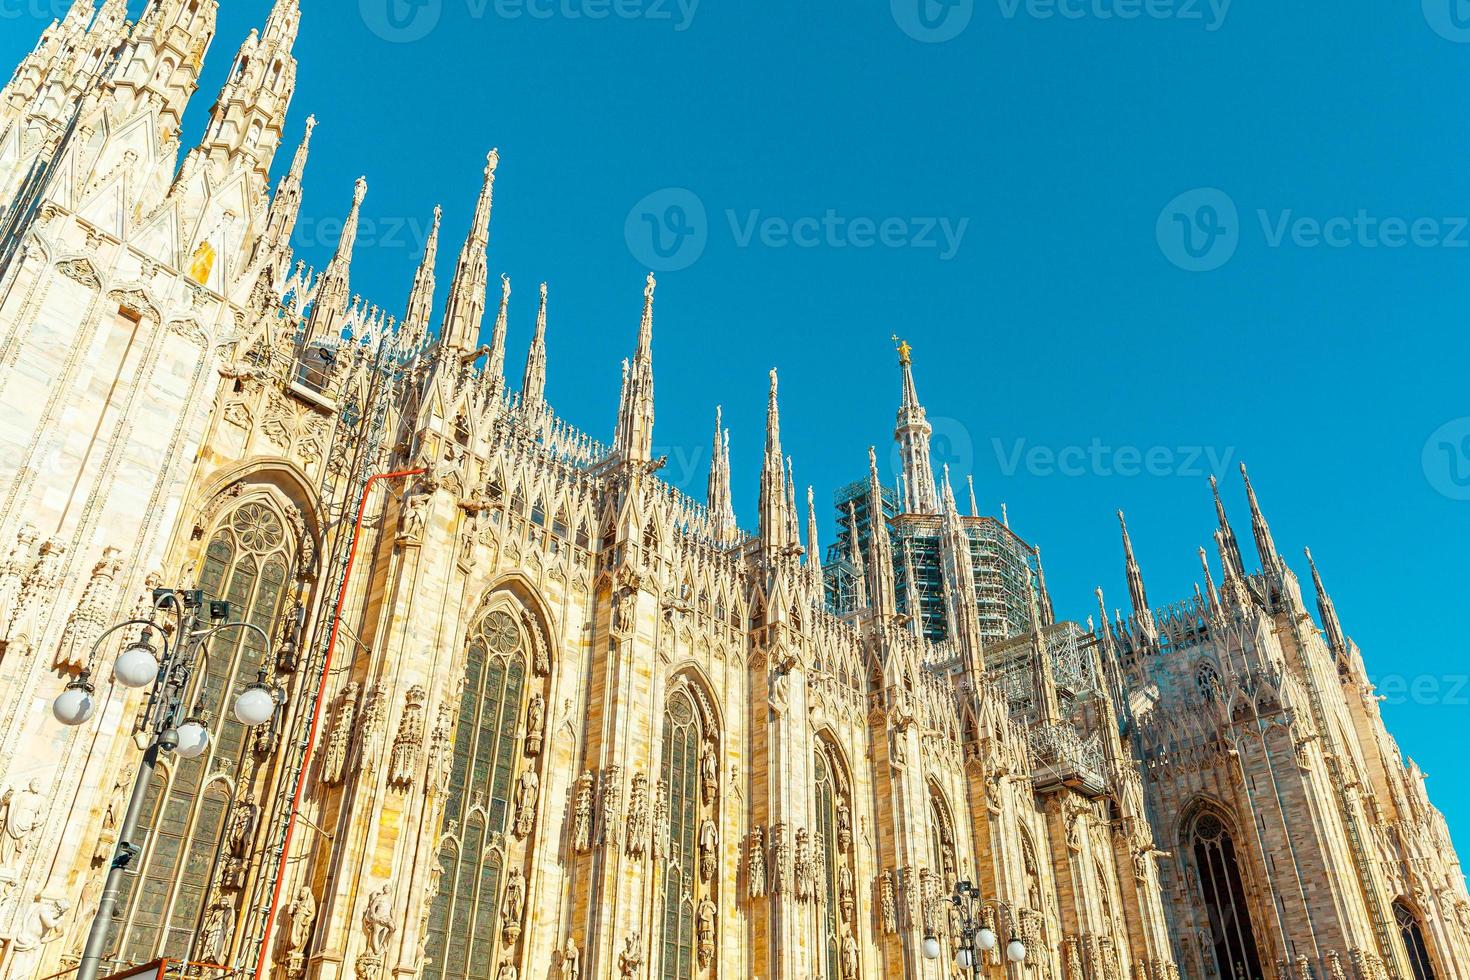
833	860
463	915
248	563
683	739
1414	944
1223	892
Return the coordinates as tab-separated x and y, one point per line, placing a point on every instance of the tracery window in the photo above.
185	866
942	860
1223	892
838	914
1414	945
464	913
684	738
1207	680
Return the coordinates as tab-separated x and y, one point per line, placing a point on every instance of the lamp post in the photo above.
975	939
170	725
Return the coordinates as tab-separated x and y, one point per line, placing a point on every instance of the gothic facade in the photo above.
543	714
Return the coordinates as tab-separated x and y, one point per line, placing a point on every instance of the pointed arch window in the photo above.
837	914
1223	892
1414	944
684	737
460	933
249	563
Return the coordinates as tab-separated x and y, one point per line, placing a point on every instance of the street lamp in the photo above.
974	939
170	675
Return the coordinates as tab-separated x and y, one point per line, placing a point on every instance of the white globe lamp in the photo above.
1016	951
931	948
255	706
137	666
74	705
986	939
193	739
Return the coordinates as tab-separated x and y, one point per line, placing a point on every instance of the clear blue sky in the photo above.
1063	319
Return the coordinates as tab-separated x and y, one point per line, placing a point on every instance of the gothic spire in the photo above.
814	554
284	21
465	308
855	555
885	598
1143	616
1047	702
285	206
1231	555
1233	590
334	288
974	507
247	119
1048	616
1331	625
495	363
911	592
721	501
792	514
634	441
956	561
1265	546
421	297
775	522
1211	595
533	384
1108	654
912	435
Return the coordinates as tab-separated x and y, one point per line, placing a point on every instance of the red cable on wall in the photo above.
316	714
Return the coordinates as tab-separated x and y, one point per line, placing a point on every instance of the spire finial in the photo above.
533	383
1331	625
465	308
1141	612
1265	545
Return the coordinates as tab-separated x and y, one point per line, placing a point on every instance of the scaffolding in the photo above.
1005	568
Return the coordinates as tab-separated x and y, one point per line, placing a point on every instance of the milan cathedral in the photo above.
542	715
